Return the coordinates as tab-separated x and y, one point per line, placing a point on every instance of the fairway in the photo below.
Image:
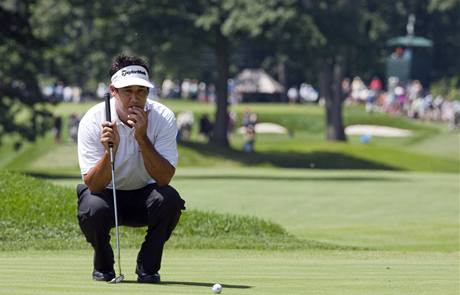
240	272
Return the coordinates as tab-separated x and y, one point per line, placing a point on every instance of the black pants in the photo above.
158	208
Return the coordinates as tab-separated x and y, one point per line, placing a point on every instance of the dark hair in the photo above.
123	60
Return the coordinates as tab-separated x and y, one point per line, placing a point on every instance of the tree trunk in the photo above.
330	82
221	124
281	69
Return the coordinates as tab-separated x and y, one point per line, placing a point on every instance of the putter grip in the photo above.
108	117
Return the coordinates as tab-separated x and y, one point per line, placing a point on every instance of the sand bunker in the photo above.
267	128
373	130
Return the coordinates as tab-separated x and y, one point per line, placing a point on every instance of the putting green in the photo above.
240	272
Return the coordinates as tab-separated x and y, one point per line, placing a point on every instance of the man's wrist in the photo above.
144	141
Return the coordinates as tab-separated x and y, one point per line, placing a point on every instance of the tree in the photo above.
189	28
19	89
225	23
346	39
320	40
81	38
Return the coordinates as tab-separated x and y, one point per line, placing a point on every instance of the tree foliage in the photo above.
318	41
23	107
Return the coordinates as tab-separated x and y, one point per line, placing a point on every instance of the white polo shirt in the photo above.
130	172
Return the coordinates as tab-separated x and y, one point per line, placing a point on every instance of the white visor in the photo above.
131	75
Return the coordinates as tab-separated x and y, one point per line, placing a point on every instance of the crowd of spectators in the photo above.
60	92
188	88
409	99
396	98
305	93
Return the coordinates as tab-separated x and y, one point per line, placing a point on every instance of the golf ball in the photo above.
217	288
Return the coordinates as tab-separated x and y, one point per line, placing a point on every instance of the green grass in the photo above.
294	117
446	145
316	209
240	272
305	149
51	223
368	222
45	157
377	210
365	209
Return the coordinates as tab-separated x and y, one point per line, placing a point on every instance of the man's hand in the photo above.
110	134
138	119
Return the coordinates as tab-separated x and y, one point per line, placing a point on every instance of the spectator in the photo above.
202	92
397	53
101	89
375	87
76	94
74	121
346	88
307	93
67	94
211	93
184	125
167	88
206	127
358	90
185	88
249	138
57	128
249	118
231	122
293	94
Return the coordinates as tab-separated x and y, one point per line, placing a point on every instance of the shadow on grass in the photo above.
45	175
317	160
198	284
287	178
53	176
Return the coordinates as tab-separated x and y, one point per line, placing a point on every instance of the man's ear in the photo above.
113	90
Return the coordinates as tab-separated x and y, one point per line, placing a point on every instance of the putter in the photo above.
120	277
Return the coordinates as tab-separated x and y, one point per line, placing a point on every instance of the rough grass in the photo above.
36	214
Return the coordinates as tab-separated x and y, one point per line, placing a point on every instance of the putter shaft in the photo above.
117	234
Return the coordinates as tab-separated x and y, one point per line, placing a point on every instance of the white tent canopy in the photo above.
257	81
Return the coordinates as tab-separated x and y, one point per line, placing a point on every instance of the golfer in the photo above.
143	135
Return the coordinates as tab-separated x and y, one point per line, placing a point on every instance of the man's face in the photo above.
131	96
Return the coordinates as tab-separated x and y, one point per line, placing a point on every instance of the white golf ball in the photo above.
217	288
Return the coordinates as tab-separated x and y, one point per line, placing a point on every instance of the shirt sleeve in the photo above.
90	149
165	141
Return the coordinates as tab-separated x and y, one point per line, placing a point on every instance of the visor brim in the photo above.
131	82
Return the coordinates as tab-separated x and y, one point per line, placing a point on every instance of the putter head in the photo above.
118	279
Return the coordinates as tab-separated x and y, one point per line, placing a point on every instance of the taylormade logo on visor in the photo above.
125	72
131	75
